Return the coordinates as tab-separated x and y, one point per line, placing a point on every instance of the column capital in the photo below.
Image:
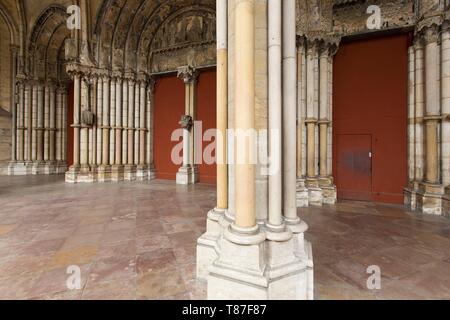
429	29
188	74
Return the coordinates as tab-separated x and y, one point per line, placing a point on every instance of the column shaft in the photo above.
275	113
131	106
143	127
445	85
118	123
106	123
245	111
76	121
323	113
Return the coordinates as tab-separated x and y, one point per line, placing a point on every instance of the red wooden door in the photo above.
70	130
370	97
206	114
354	166
169	107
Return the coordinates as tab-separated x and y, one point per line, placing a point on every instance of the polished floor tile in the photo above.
137	241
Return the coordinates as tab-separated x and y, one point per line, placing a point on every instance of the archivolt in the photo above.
46	44
125	29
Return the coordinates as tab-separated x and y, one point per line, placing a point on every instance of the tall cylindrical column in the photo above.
323	111
137	114
289	110
131	106
118	122
106	123
142	123
445	85
112	122
432	106
222	104
245	189
275	114
21	123
411	113
311	120
40	123
47	121
52	122
76	121
419	109
125	121
99	121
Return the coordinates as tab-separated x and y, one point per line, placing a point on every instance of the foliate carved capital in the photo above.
186	122
188	74
431	34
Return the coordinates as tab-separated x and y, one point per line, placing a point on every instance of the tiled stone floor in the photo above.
137	241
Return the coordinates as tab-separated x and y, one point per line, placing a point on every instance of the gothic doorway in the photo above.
370	119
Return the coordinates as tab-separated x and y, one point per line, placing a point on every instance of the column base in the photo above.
187	175
80	174
151	172
130	173
61	167
208	243
315	194
446	203
410	195
117	173
251	267
19	168
39	168
329	192
142	173
429	198
104	173
302	194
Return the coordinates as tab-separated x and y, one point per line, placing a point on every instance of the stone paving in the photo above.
137	241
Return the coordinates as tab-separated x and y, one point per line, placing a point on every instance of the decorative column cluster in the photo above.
244	253
111	124
315	184
40	127
188	173
428	108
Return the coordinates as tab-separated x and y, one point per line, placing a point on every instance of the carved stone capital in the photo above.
186	122
188	74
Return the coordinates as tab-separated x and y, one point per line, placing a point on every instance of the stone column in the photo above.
118	169
445	85
72	174
137	122
431	191
419	110
84	131
150	106
302	191
276	116
64	128
59	119
30	115
14	103
289	112
104	171
328	49
52	133
188	173
208	242
312	85
130	169
112	121
21	125
125	121
39	165
142	170
99	120
47	122
253	261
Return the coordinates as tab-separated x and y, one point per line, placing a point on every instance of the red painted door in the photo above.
169	107
370	97
70	131
206	114
354	166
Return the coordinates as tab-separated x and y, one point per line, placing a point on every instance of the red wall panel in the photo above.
206	113
169	107
370	98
